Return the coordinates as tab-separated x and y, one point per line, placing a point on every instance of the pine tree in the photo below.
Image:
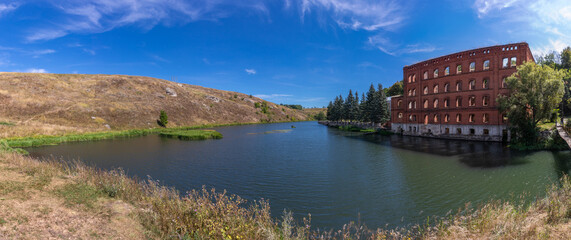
329	109
357	107
347	106
369	108
383	109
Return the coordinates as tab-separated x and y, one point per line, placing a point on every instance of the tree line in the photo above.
371	107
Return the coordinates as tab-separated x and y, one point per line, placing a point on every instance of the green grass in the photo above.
79	194
546	126
192	134
7	123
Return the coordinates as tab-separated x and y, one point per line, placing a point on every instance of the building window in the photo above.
435	118
505	63
400	115
414	118
425	75
425	90
485	118
458	131
414	105
446	118
472	66
487	65
410	105
472	101
458	101
458	117
410	118
459	86
409	78
399	103
447	71
504	83
446	103
446	87
485	83
458	69
471	118
485	100
409	92
414	92
513	61
425	119
472	131
425	105
414	78
435	73
435	103
472	85
504	118
435	88
486	131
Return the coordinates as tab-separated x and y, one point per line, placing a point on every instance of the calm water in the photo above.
336	176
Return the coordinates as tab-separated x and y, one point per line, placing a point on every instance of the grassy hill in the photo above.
39	103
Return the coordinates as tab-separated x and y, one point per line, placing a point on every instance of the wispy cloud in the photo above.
7	7
387	46
35	70
359	14
550	18
250	71
272	96
96	16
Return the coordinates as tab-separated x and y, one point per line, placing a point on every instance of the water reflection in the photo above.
562	163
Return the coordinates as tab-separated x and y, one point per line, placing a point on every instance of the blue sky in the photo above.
285	51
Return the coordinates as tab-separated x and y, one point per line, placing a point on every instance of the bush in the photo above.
163	119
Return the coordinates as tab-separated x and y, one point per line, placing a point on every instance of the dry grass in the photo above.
57	104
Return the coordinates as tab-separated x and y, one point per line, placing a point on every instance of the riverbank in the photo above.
33	193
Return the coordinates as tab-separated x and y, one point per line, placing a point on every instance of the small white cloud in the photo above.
90	51
388	47
4	8
271	96
250	71
43	52
36	70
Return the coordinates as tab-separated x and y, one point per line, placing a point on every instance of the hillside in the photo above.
39	103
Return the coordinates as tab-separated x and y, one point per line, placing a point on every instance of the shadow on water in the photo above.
562	162
471	153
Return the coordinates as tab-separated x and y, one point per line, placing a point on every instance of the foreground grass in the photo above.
165	213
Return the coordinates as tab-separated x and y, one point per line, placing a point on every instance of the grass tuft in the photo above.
192	134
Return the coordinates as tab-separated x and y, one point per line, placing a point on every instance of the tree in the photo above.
535	91
369	105
551	59
163	119
347	107
330	111
395	89
566	58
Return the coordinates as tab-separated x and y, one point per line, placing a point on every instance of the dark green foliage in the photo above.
372	108
320	116
192	134
293	106
163	119
265	108
395	89
566	58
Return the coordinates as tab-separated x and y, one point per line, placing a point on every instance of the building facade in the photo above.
454	96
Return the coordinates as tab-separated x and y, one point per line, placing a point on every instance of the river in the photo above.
336	176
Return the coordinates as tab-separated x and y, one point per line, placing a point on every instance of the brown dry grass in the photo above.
56	104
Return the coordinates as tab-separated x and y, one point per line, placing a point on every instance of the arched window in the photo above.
485	100
472	101
446	87
409	78
435	103
425	119
414	78
435	88
459	69
399	103
425	90
435	118
504	118
410	118
459	86
446	118
435	73
505	62
410	105
400	115
446	103
471	118
425	105
472	85
414	92
425	75
447	71
414	118
486	65
485	83
472	66
504	83
414	105
458	117
485	118
409	92
458	101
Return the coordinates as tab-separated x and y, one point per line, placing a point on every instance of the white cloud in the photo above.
250	71
4	8
359	14
272	96
36	70
385	45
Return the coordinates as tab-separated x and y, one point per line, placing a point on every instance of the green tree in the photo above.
551	59
320	116
535	91
347	106
163	119
566	58
329	111
395	89
369	104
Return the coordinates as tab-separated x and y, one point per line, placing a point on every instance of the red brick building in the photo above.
454	96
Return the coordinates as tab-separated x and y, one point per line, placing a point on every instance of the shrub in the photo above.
163	119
